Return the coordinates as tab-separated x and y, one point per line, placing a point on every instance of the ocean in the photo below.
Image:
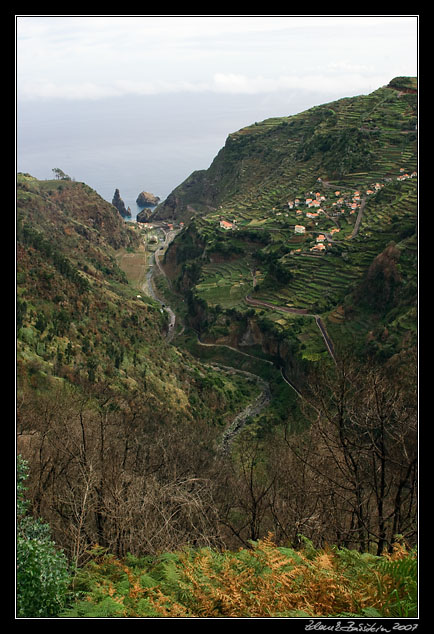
141	143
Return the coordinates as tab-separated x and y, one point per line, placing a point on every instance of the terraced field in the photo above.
225	283
316	277
344	174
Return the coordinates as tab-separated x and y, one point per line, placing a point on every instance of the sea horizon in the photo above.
137	144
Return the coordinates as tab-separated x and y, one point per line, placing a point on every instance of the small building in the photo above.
299	229
224	224
320	238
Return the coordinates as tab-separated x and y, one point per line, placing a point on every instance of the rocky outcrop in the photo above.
120	205
191	197
144	215
382	283
145	199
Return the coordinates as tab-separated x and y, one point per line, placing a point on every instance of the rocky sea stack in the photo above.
145	199
120	205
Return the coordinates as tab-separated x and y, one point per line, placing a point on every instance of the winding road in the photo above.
261	401
298	311
149	286
264	398
359	218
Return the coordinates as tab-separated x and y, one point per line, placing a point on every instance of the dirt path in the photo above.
327	340
286	309
223	345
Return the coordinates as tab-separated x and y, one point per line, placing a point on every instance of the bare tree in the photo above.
363	452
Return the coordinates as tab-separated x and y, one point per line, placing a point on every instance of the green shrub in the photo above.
42	571
261	581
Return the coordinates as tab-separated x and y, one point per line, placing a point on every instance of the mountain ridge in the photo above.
207	188
298	200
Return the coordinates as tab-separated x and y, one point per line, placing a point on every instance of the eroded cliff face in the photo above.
144	215
204	190
247	336
185	200
381	286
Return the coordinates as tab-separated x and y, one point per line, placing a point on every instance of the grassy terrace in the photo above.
313	275
319	281
362	147
226	284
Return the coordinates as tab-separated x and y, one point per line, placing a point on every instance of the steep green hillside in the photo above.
286	401
282	158
310	202
107	408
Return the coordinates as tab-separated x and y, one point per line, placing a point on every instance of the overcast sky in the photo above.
92	57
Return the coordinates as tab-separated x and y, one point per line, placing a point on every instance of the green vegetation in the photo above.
78	318
43	577
103	399
262	581
202	471
355	160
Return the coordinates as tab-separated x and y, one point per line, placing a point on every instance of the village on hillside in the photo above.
318	217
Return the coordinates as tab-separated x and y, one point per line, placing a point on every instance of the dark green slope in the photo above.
81	323
121	429
356	160
284	156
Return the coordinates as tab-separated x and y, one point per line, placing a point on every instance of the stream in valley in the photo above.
254	408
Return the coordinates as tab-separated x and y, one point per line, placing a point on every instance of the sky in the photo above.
140	102
95	57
